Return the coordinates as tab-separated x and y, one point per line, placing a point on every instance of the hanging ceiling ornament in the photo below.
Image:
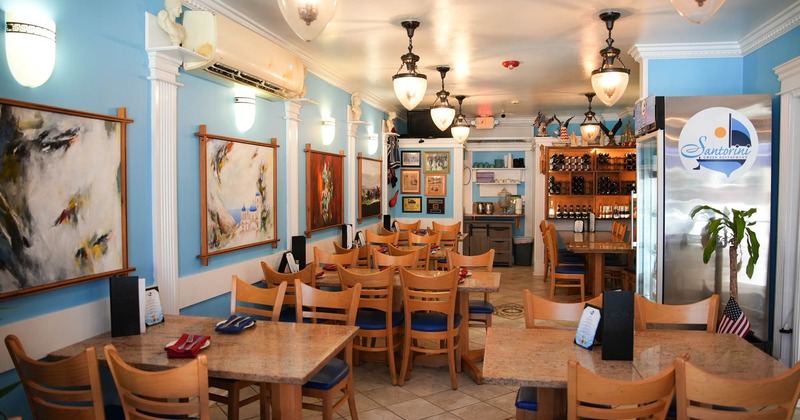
610	80
409	87
307	18
697	11
442	112
460	129
590	127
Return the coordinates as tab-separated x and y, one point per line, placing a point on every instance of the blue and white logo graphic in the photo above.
718	141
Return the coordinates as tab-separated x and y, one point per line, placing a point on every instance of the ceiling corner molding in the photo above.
641	52
772	29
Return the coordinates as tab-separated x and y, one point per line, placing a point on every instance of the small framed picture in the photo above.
410	181
435	205
437	162
412	204
435	185
410	158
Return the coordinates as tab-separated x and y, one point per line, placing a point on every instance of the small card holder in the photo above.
589	326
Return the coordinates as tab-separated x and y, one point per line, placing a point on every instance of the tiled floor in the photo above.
427	394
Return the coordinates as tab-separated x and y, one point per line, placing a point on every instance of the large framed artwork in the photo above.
324	190
63	190
369	184
238	203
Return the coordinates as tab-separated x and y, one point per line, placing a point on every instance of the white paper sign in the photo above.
153	314
587	327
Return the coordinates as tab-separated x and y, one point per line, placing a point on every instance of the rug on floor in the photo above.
509	310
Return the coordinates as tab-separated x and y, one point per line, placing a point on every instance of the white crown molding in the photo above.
780	24
641	52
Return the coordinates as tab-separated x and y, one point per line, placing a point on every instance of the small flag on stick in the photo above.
733	320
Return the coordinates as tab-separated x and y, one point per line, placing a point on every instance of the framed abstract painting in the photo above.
324	190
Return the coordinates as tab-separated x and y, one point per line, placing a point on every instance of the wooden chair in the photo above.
380	259
593	396
380	240
334	383
68	389
555	314
703	395
363	253
651	315
438	227
272	278
402	236
422	252
380	328
265	303
432	240
430	315
448	241
181	391
407	226
480	311
562	275
347	259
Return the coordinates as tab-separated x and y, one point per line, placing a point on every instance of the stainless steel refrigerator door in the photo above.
649	213
686	277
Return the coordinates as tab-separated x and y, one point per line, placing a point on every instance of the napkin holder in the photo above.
617	325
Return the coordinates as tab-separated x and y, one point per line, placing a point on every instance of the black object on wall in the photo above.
421	125
299	250
387	221
123	292
347	235
617	325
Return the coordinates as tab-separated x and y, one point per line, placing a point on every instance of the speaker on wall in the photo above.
347	235
299	250
387	221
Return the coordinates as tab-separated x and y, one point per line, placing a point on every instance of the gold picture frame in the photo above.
410	182
435	185
412	204
436	162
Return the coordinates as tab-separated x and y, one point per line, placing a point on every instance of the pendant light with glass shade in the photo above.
409	87
697	11
590	127
442	113
460	128
307	18
610	80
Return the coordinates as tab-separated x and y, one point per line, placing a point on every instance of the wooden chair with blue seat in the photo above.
430	317
616	264
63	389
422	252
403	229
325	259
380	328
363	253
480	310
563	275
265	304
701	315
448	241
431	239
381	260
380	240
334	383
273	278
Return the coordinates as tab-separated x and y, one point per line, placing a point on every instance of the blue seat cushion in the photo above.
288	315
569	257
431	322
114	412
570	269
372	319
527	398
333	373
480	307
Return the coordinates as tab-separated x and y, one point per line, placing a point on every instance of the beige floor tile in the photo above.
417	408
450	400
390	395
480	411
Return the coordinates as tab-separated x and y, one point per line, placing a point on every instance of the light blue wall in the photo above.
397	210
694	77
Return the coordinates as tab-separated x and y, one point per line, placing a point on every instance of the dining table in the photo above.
595	245
284	354
538	357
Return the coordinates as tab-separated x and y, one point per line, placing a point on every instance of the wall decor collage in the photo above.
435	166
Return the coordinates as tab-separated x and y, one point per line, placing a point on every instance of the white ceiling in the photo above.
557	43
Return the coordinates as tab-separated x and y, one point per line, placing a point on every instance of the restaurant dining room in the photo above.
424	210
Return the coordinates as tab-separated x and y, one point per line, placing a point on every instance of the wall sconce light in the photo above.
442	113
697	11
372	143
409	87
30	47
610	80
244	107
307	18
328	130
460	129
590	127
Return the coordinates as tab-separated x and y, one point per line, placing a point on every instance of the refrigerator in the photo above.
710	150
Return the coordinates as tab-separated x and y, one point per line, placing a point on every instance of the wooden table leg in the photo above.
552	403
597	268
287	401
468	359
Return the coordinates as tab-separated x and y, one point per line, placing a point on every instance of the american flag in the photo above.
733	321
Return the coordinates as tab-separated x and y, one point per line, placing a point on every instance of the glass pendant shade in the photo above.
589	131
443	116
610	84
307	18
460	128
409	89
697	11
30	48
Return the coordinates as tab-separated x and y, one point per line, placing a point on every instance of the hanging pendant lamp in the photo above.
307	18
442	112
610	80
460	129
697	11
409	87
590	127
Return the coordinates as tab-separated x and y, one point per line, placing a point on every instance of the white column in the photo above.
787	252
350	170
292	208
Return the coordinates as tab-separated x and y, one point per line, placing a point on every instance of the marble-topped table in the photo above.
538	358
284	354
596	245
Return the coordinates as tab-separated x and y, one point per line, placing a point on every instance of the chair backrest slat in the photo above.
651	315
556	314
258	301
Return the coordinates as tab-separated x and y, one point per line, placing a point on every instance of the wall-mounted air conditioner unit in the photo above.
237	54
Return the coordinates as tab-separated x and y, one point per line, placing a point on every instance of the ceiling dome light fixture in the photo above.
442	112
460	129
697	11
409	87
307	18
590	127
610	80
510	64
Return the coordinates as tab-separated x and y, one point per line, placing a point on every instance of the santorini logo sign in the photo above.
718	141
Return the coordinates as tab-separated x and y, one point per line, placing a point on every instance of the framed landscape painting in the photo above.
237	193
369	184
63	189
324	190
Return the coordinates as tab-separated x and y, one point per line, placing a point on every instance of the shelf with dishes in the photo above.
496	176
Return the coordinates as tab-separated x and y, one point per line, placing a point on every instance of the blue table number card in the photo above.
588	326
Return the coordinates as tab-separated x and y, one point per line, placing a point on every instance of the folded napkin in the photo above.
321	274
463	273
178	350
235	324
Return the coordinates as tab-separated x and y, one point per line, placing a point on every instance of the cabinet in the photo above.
484	235
589	179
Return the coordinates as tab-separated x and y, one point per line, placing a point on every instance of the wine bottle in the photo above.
551	211
558	212
571	212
